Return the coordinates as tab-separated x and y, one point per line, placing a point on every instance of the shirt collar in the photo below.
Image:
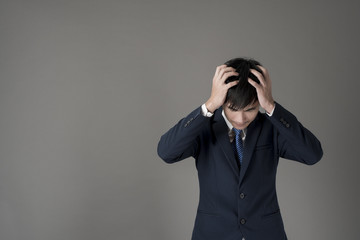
230	127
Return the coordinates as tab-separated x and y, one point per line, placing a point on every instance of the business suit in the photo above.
239	203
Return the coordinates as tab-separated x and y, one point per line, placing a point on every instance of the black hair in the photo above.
243	93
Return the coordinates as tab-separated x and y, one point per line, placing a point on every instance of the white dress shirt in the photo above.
205	112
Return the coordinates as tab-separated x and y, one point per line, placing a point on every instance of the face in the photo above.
240	119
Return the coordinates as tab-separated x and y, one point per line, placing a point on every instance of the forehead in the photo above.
252	105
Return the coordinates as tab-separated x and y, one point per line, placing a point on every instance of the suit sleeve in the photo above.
295	142
182	140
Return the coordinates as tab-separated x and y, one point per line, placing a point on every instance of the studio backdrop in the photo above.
88	87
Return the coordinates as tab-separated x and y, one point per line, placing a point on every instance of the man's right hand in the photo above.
219	87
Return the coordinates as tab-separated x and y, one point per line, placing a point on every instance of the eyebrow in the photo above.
233	109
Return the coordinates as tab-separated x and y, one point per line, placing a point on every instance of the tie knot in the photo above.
237	131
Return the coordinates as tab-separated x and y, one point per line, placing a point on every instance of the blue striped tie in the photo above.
239	144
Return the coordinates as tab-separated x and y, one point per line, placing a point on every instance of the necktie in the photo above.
239	144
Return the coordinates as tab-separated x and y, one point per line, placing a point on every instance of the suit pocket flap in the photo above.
271	214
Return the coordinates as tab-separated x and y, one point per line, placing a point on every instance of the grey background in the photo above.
88	87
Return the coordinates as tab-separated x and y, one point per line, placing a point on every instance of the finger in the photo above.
259	76
231	84
218	68
225	70
265	74
253	83
257	68
262	69
227	75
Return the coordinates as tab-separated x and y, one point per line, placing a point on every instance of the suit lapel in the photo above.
220	130
252	135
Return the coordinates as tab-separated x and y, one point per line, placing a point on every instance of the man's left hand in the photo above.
263	89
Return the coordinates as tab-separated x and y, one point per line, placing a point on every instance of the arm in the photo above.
294	140
182	140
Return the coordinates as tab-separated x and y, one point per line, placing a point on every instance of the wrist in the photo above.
270	107
210	106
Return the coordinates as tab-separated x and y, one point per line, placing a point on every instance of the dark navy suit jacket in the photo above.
238	203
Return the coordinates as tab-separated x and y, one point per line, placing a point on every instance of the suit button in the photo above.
242	195
242	221
287	125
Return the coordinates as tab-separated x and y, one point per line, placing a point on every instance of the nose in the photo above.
242	117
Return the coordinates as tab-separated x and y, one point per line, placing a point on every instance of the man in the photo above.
237	150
